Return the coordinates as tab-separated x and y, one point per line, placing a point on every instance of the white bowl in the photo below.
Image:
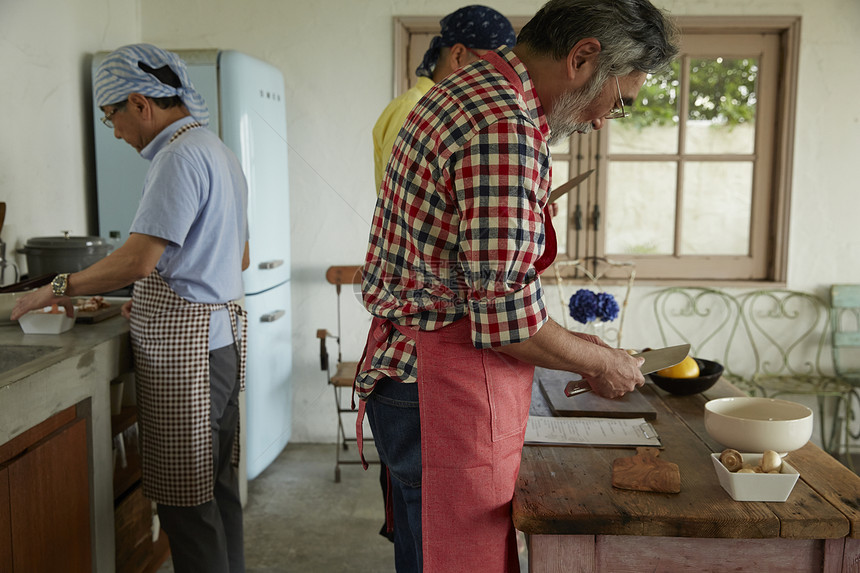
756	487
757	424
43	322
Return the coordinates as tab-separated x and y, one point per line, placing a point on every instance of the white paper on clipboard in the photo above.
591	431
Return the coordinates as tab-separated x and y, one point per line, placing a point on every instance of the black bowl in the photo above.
709	373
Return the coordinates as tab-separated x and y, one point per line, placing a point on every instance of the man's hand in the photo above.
126	310
611	372
621	375
41	298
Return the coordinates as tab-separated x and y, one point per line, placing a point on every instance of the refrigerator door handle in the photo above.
266	265
272	316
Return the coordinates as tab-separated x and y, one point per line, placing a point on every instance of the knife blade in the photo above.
556	193
656	359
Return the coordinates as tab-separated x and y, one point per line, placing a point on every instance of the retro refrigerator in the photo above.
247	110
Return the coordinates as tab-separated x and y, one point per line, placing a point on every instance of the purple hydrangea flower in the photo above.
586	306
583	306
607	308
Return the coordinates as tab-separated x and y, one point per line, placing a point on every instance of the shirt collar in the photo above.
424	83
163	138
528	94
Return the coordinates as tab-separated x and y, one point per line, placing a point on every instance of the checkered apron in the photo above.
170	338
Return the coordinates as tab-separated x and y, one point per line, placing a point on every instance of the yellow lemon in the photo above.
687	368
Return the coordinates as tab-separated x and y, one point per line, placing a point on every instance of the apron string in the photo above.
385	327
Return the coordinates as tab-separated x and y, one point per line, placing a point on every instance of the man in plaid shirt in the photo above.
460	235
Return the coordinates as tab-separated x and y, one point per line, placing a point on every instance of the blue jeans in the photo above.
392	411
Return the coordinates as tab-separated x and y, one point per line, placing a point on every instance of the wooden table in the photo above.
577	522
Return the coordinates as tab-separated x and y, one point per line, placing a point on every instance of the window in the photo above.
695	185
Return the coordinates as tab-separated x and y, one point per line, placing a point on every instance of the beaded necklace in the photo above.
183	129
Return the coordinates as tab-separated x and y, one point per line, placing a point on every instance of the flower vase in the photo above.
595	327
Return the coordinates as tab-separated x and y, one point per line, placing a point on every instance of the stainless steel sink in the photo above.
17	355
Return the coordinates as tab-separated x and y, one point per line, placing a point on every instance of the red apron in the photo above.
474	406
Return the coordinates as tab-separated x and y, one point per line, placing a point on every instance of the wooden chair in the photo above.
342	375
594	270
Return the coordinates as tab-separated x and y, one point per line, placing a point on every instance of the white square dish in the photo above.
44	322
756	487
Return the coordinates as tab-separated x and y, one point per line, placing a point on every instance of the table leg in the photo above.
842	555
561	554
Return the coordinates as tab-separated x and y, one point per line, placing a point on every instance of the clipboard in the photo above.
608	432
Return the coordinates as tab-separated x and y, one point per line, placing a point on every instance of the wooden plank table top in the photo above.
564	490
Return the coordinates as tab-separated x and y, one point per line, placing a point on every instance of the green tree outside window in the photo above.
721	91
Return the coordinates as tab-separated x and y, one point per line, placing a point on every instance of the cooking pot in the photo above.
64	254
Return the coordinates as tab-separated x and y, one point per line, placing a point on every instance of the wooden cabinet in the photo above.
135	550
5	523
45	497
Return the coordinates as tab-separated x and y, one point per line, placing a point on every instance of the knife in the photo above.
556	193
656	359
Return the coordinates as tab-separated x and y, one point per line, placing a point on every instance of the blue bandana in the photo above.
135	69
476	27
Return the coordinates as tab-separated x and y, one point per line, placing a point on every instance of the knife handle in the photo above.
575	387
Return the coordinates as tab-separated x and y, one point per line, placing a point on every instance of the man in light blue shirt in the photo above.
185	254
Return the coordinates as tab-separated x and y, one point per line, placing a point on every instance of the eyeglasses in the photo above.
617	113
107	118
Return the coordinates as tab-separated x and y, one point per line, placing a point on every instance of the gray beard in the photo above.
566	108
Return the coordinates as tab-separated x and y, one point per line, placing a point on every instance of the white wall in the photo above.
46	150
336	56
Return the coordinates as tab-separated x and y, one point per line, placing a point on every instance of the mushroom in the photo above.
732	459
770	462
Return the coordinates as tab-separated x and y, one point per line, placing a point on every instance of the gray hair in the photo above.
633	34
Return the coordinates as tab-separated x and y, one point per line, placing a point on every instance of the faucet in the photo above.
4	264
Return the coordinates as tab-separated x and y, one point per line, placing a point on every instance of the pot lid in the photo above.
65	241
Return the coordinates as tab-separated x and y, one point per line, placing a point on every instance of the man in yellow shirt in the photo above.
466	35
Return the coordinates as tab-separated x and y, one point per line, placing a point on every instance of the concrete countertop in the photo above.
77	341
80	367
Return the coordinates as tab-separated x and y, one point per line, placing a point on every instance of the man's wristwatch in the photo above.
60	284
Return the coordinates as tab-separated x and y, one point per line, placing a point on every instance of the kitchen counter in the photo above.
577	521
64	370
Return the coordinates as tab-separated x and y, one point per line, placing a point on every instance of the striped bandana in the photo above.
136	69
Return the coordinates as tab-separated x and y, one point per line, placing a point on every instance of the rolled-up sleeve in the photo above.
497	182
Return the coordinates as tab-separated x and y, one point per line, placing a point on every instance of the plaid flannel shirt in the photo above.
459	223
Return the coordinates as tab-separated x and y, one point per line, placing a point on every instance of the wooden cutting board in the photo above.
85	317
644	472
552	383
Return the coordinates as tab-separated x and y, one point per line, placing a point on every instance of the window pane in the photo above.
716	214
723	101
640	208
652	126
560	176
